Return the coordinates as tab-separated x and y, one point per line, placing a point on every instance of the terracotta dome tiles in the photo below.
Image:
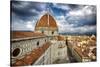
46	21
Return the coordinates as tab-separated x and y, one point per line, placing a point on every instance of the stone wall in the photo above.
26	46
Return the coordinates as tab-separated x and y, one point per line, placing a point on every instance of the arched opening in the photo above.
66	42
45	40
16	52
38	43
52	32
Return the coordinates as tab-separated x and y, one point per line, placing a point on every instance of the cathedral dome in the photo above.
46	21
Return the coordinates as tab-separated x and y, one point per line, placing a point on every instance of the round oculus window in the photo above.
16	52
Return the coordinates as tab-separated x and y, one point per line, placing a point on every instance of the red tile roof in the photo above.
32	57
25	34
60	38
83	54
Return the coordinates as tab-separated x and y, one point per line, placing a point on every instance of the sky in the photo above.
70	18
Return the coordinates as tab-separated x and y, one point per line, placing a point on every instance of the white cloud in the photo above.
64	26
89	10
82	12
75	16
21	5
29	25
76	13
42	6
68	28
62	6
85	29
61	19
19	24
23	26
34	11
